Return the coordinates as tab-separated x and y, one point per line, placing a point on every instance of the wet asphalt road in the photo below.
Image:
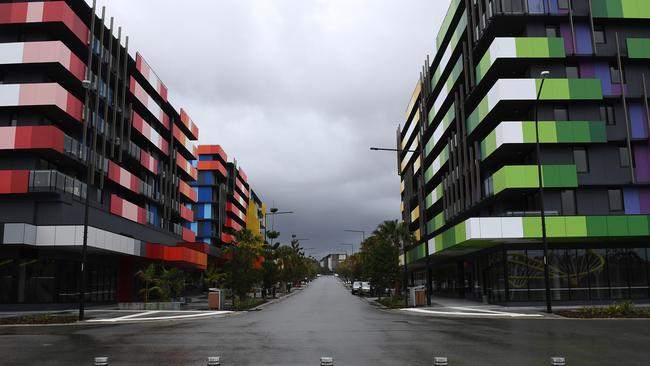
324	319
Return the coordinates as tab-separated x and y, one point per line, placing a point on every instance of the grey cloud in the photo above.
296	91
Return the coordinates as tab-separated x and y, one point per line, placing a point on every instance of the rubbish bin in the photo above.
417	296
215	299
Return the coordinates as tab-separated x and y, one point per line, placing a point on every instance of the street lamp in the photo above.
363	234
273	211
543	75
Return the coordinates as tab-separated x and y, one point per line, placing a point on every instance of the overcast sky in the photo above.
297	91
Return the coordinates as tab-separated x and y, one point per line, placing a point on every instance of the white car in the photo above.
356	288
365	288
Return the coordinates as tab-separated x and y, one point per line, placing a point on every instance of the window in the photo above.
615	200
599	35
607	115
561	113
624	157
615	74
568	202
572	72
581	160
563	4
552	31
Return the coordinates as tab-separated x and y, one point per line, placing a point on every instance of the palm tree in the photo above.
149	277
395	232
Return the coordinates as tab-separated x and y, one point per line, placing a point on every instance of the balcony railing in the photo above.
55	181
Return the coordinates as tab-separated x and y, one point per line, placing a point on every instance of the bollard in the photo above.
440	361
214	361
558	361
101	361
326	361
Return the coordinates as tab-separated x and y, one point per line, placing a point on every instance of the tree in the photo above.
396	232
172	283
212	276
150	279
270	271
243	252
381	263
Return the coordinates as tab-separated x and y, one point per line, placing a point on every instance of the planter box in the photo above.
170	305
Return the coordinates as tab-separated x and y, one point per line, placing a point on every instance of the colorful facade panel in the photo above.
42	52
152	106
187	191
14	181
44	12
140	125
123	177
185	141
187	122
148	162
128	210
31	137
186	166
148	73
179	253
41	94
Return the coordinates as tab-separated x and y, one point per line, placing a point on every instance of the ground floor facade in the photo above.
579	273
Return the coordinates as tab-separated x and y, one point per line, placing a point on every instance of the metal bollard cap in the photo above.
327	361
440	361
101	361
558	361
214	361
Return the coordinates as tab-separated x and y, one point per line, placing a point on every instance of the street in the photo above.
325	320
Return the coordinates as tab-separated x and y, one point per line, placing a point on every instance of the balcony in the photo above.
55	181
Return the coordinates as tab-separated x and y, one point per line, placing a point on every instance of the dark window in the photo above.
552	31
563	4
572	72
568	202
581	160
561	113
607	115
599	35
615	200
624	157
615	75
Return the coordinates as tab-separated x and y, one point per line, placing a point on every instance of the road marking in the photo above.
143	316
494	314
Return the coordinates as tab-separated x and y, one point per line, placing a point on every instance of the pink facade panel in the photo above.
42	12
128	210
185	141
149	133
123	177
187	121
41	94
148	162
186	166
150	75
152	106
31	137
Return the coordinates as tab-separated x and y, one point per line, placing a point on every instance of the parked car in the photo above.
365	288
356	288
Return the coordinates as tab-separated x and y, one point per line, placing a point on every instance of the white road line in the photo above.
510	315
136	317
480	310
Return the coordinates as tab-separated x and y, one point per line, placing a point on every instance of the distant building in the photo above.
331	261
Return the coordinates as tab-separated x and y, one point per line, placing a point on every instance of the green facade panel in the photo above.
638	48
525	176
631	9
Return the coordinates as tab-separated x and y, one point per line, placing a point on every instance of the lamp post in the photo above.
273	211
543	75
363	234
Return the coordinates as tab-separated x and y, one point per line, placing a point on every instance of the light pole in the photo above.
543	75
274	211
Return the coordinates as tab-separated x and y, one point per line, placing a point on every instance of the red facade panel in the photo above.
180	254
215	165
41	12
148	162
14	181
236	211
213	150
150	75
185	141
140	125
152	106
187	191
186	166
188	235
187	121
233	224
128	210
123	177
31	137
187	214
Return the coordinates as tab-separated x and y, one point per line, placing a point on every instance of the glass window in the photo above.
561	113
638	267
535	267
572	72
552	31
607	115
579	280
617	263
518	273
615	200
568	202
563	4
596	267
624	157
581	160
599	35
615	74
559	274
